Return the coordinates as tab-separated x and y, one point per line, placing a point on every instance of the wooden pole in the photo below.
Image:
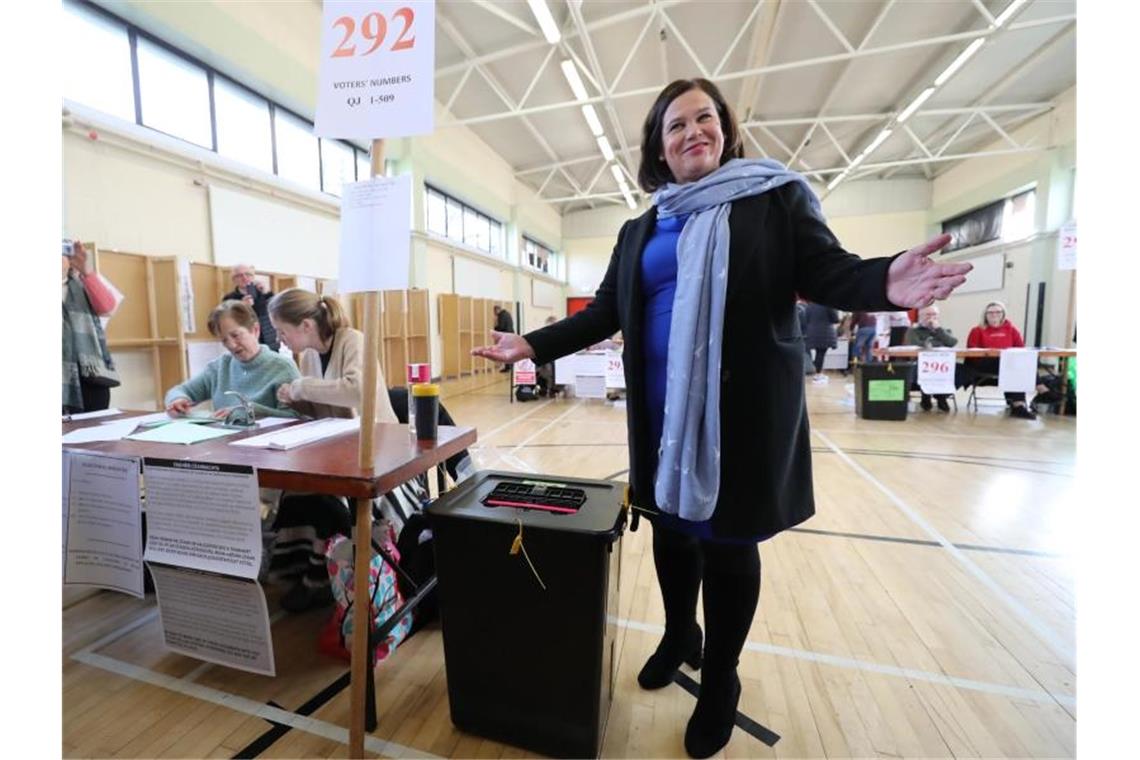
361	657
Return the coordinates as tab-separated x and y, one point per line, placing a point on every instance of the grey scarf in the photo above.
85	353
688	469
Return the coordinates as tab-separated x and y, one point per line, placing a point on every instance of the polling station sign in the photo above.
377	70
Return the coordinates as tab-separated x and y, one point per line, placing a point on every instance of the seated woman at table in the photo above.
247	367
331	357
997	332
928	333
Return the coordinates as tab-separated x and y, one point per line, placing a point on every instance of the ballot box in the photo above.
882	389
528	569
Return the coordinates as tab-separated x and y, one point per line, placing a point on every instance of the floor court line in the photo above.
1043	631
849	663
244	705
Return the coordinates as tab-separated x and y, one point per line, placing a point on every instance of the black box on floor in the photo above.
527	665
882	389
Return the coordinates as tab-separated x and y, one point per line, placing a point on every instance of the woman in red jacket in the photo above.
996	331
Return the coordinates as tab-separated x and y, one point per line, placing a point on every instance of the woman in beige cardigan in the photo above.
331	359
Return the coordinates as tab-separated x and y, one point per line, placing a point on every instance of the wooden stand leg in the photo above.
361	657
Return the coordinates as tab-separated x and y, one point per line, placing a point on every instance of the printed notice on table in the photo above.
936	371
375	234
214	618
103	539
203	516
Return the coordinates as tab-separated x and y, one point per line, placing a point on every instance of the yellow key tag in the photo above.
516	544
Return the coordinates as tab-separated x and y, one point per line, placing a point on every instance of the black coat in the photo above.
504	322
779	247
820	326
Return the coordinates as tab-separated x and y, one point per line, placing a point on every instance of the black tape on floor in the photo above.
743	722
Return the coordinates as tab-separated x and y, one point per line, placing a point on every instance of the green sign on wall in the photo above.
886	390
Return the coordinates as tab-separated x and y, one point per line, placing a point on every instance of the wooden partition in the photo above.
418	319
449	334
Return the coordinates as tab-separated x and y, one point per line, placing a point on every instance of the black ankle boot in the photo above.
711	726
662	665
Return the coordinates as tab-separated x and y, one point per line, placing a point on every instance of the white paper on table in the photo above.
203	516
590	386
525	373
91	415
1017	371
565	369
199	353
373	85
103	542
153	417
214	618
936	371
375	234
299	435
615	370
268	422
108	431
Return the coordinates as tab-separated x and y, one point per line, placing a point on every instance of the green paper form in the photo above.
886	390
181	431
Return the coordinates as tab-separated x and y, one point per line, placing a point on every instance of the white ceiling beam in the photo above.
636	46
756	143
838	82
595	65
736	40
791	65
831	25
764	31
525	47
960	130
834	142
683	42
1004	135
989	17
921	146
546	181
786	149
458	87
508	17
537	74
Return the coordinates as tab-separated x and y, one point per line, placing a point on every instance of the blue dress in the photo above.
659	285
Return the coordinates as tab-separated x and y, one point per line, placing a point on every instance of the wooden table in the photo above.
1062	355
325	467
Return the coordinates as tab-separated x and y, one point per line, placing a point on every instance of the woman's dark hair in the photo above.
654	172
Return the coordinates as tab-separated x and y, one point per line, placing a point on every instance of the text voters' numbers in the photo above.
374	28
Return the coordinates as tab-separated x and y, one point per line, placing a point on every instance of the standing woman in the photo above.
88	369
331	358
703	287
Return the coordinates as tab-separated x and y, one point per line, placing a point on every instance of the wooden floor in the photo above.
927	610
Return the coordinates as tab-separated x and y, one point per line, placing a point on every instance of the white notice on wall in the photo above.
936	371
214	618
375	234
1067	246
186	288
1017	371
199	353
377	70
103	541
203	516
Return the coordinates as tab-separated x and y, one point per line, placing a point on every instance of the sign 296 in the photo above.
374	28
935	367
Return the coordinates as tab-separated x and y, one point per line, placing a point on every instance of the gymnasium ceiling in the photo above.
814	82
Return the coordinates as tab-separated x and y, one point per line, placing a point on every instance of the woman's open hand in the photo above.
508	348
179	406
914	281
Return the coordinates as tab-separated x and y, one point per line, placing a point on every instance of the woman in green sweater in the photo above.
248	367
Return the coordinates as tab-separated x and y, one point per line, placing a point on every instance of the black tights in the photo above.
731	577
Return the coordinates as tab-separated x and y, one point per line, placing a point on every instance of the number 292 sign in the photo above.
377	75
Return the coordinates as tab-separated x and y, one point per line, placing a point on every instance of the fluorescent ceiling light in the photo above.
628	198
570	71
1009	11
615	169
959	61
915	104
604	146
838	178
592	119
876	143
545	20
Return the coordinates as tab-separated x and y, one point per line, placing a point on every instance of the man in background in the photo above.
504	324
256	294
